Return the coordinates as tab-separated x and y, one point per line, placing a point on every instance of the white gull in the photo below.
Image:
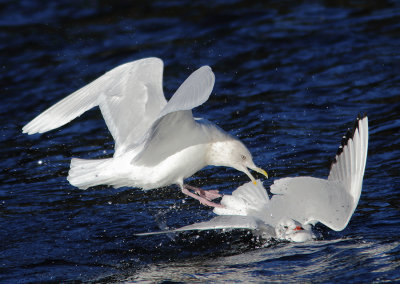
157	143
298	203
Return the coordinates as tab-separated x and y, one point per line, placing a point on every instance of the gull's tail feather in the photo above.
349	163
85	173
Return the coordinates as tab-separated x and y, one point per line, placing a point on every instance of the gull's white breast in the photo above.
171	170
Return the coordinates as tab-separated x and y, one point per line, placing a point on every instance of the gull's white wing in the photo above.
332	201
349	164
130	98
304	199
194	91
242	211
176	129
247	200
310	200
219	222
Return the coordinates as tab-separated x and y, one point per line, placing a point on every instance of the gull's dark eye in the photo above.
243	157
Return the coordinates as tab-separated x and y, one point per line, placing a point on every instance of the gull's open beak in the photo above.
259	170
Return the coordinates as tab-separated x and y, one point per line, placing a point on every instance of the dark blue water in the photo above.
291	76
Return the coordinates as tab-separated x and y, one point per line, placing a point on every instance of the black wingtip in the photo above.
349	135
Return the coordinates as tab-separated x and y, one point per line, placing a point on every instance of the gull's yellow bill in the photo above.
256	169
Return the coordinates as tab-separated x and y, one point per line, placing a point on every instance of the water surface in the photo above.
291	77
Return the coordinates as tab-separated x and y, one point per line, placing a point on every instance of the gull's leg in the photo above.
202	200
207	194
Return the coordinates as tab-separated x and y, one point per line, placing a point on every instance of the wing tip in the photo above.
151	60
207	68
29	129
25	130
349	135
152	233
210	71
38	125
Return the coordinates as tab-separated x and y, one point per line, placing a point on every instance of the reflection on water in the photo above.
290	77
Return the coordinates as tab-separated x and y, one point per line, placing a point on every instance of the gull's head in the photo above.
291	230
234	154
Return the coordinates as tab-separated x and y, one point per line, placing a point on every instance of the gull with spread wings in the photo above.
157	143
297	203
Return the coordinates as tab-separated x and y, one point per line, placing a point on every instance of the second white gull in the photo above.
297	203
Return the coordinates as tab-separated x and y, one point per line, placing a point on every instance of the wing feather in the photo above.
310	200
130	98
219	222
349	165
176	129
332	201
194	91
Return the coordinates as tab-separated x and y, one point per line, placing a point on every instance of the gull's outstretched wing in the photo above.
332	201
176	129
309	200
304	199
130	98
349	164
194	91
219	222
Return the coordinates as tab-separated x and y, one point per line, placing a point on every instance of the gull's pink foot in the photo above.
202	196
207	194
